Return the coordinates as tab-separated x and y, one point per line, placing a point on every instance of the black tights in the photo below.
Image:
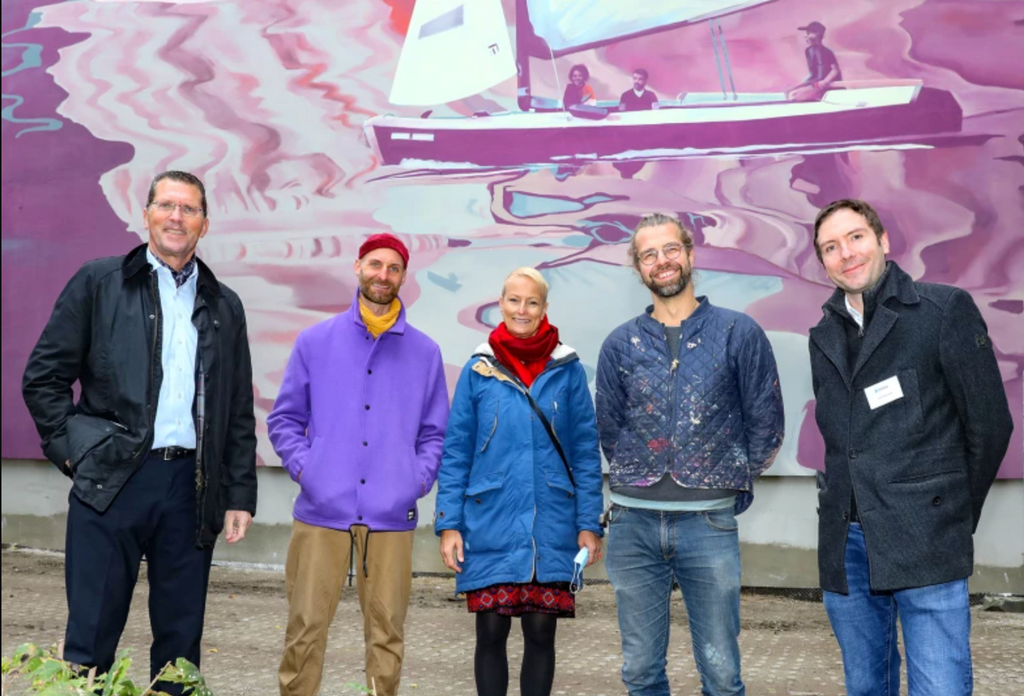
491	661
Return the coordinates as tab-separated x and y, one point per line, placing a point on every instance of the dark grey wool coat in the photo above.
922	465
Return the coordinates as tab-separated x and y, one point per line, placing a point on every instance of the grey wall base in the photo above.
778	534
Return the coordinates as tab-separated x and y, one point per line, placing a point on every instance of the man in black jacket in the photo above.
915	419
161	446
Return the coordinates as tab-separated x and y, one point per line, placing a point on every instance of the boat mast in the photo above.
725	53
718	60
524	37
715	40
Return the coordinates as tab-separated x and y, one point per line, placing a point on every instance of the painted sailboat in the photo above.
446	37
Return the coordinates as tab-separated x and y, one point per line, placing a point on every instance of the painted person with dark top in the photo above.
639	98
822	66
689	411
510	515
911	406
578	91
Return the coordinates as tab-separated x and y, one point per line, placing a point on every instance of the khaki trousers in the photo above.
317	567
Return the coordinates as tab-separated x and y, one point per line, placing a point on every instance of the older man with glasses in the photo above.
689	412
161	445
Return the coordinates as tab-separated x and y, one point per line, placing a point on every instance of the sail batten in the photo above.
568	26
452	19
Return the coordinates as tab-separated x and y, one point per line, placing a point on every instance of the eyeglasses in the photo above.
167	208
650	256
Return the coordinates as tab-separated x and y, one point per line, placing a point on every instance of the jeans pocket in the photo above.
723	520
615	513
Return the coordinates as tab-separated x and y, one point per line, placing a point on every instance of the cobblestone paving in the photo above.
787	645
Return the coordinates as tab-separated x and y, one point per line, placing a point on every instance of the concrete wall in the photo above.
778	533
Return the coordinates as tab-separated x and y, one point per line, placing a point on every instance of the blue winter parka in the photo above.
502	483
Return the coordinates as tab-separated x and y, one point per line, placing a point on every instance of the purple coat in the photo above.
360	423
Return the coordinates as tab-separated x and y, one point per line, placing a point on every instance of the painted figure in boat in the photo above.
639	98
578	91
822	66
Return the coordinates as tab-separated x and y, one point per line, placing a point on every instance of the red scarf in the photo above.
524	357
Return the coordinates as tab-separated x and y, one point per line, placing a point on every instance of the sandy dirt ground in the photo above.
787	645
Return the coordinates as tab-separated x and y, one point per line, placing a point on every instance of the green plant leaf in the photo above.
187	669
32	665
126	687
118	673
64	688
50	670
56	690
24	652
188	675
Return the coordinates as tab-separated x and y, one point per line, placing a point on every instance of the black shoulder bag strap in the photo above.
540	414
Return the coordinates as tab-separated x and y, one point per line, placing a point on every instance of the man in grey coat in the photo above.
914	415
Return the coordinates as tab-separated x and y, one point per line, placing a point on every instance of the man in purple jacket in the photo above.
359	423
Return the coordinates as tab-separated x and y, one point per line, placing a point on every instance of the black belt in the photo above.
171	453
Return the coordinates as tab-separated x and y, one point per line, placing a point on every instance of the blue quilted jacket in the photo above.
711	416
502	483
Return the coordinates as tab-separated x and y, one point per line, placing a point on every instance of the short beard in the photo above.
672	289
366	291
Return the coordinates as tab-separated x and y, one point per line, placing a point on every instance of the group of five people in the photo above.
161	450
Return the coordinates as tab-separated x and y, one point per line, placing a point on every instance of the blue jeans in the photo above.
936	624
701	552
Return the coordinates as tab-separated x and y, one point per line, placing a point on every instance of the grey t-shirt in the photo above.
674	335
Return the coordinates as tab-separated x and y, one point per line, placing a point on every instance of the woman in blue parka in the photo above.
510	515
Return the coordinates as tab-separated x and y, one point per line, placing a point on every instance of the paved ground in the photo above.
787	645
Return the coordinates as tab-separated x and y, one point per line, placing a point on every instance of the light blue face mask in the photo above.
578	564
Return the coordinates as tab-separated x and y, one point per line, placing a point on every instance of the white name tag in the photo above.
885	392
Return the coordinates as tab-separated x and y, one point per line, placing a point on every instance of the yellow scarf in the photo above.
378	325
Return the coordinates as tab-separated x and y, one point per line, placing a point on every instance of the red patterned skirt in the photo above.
516	599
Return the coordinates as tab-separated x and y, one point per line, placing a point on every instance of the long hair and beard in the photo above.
673	288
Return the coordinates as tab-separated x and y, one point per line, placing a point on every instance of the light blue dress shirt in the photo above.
175	426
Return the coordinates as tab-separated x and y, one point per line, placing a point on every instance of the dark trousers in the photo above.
154	515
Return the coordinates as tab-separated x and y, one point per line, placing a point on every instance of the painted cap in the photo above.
813	27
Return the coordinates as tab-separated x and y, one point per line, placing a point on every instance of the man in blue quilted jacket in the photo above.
689	412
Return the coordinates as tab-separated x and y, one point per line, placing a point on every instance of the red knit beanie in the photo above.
385	241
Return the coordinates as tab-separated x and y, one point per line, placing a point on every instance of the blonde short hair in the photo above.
531	273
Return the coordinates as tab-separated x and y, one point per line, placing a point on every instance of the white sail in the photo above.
570	25
454	49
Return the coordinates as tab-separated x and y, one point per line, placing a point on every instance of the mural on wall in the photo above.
492	134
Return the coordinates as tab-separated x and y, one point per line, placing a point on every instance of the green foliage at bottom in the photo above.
43	672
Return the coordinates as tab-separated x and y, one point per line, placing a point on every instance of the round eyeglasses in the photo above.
649	257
